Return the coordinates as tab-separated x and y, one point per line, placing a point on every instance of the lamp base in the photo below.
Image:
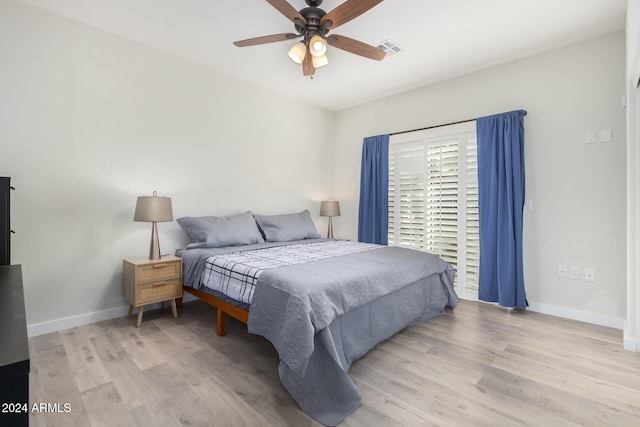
330	230
154	250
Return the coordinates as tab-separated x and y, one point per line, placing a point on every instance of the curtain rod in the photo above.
432	127
437	126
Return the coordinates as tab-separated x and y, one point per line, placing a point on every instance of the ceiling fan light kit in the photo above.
313	24
319	61
317	46
297	52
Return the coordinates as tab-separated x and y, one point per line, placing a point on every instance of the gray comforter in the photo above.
323	315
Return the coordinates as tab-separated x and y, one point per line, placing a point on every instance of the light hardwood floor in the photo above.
478	365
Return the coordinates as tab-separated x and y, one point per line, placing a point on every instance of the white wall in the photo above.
89	121
578	190
632	324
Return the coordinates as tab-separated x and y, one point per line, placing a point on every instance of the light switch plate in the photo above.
574	272
605	135
590	137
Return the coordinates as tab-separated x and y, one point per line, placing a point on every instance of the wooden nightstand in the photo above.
148	281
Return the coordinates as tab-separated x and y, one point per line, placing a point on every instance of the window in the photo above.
433	198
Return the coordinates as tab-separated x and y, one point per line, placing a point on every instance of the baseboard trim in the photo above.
579	315
112	313
85	319
631	344
572	314
75	321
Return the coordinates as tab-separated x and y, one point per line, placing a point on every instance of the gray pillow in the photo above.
215	232
288	227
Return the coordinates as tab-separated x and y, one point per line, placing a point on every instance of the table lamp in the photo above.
330	208
153	209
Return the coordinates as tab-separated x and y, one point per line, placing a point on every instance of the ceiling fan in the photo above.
313	25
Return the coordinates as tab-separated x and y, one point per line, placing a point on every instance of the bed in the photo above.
322	303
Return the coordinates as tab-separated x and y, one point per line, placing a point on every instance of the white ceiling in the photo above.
441	39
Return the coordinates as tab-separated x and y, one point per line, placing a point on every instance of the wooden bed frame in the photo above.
222	307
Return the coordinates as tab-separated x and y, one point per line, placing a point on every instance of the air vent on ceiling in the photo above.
390	47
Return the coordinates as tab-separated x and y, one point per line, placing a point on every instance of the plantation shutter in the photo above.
441	219
472	232
406	208
433	198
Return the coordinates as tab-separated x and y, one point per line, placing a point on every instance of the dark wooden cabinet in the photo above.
14	349
5	223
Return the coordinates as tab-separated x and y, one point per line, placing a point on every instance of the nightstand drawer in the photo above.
158	271
158	291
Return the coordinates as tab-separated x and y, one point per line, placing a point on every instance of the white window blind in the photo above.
433	197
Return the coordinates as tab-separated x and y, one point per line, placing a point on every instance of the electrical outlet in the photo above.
562	270
590	274
575	272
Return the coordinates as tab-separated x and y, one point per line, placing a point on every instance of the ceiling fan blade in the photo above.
307	64
266	39
287	10
346	12
355	46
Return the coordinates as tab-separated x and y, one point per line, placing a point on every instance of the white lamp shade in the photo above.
298	52
153	209
319	61
317	46
330	208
